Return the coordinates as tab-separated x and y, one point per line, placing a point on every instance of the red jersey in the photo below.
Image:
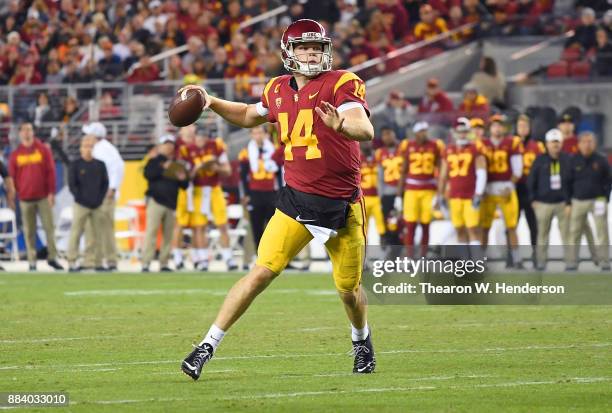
570	145
181	150
498	157
533	148
261	180
461	160
318	160
391	163
369	175
212	149
422	162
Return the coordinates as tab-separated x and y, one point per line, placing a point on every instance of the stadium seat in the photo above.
571	54
580	69
7	216
557	70
62	229
593	122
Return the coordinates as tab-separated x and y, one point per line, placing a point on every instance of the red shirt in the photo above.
391	163
318	160
369	175
144	74
570	145
422	158
261	180
498	157
212	149
439	103
533	148
461	162
33	170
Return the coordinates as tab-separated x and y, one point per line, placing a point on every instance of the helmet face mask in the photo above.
301	32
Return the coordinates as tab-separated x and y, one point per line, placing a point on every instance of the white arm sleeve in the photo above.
349	105
516	161
481	181
261	110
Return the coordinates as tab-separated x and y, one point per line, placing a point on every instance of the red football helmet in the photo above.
306	31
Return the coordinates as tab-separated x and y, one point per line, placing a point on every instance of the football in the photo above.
186	107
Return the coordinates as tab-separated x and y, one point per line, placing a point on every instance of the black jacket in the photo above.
589	178
88	182
538	181
162	189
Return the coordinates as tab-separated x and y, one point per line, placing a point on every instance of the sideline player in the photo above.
391	164
463	168
183	143
210	163
504	168
417	185
369	188
533	148
321	115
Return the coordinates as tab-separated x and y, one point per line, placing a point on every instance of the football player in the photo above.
209	163
183	143
391	162
369	187
463	168
504	168
478	132
321	115
417	185
533	149
568	129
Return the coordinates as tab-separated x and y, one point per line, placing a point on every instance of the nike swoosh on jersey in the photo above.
298	219
312	96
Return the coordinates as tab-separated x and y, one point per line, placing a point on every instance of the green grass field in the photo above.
114	343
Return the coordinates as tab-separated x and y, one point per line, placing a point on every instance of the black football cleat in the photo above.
232	265
195	361
55	265
365	361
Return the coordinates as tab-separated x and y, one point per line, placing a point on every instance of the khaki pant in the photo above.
29	211
80	217
105	235
158	215
545	213
578	225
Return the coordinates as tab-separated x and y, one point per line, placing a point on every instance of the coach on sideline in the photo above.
546	186
88	183
106	152
33	168
163	190
590	180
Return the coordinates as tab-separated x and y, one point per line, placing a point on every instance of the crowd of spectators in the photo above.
48	41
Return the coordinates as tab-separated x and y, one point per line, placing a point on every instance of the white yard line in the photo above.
290	356
575	380
60	339
223	292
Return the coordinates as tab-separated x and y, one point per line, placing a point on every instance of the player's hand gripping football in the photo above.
199	89
330	116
